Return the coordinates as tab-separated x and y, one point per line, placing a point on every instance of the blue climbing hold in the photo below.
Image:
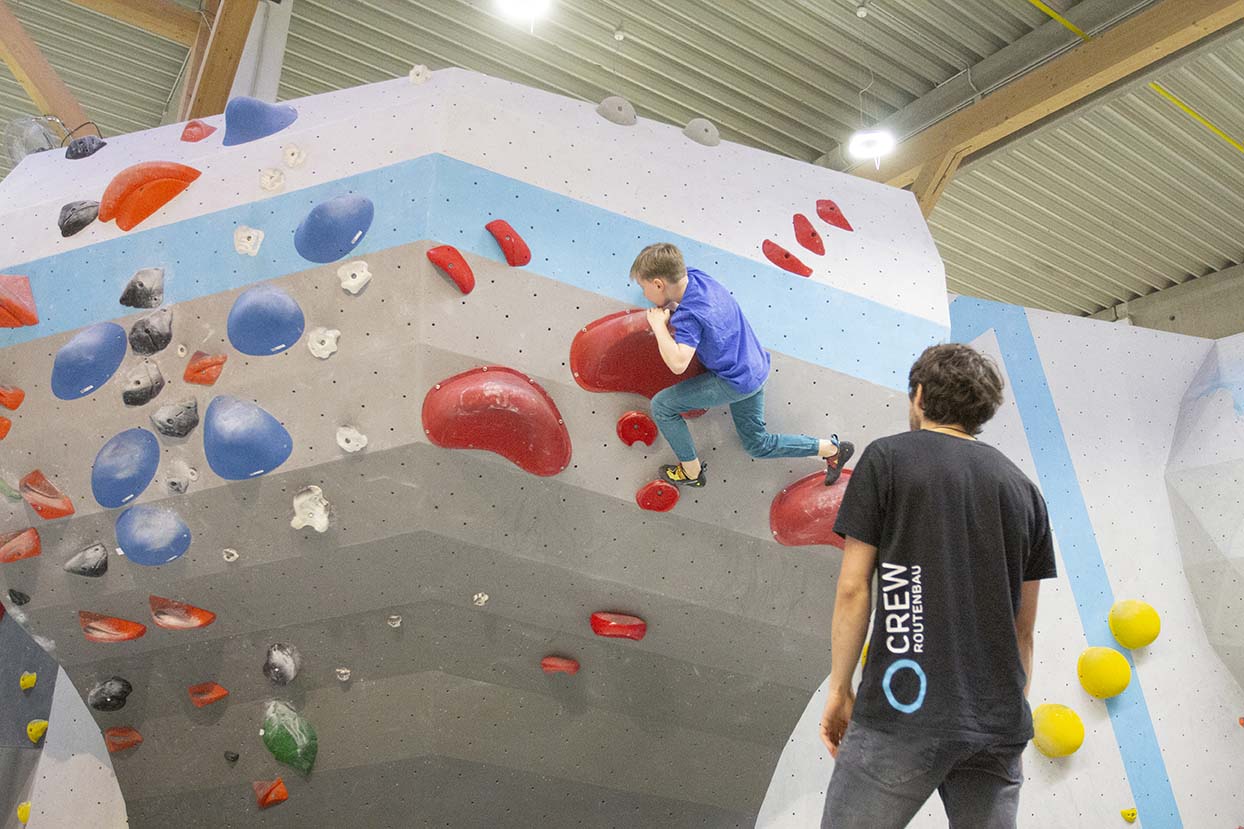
264	321
124	467
86	362
333	228
242	441
151	535
249	119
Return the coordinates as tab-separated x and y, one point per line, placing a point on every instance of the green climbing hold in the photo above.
289	736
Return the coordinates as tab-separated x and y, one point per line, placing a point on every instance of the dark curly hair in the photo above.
961	385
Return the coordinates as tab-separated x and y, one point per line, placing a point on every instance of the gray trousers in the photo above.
882	780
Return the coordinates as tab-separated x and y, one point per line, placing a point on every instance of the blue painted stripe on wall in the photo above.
436	197
1082	561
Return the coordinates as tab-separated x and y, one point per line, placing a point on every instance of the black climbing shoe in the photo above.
675	474
834	465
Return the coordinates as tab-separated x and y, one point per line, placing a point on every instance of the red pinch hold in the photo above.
270	792
619	626
11	397
449	259
121	737
635	426
784	259
807	236
196	131
205	693
17	303
203	368
19	545
804	513
559	665
138	191
830	213
98	628
657	496
512	245
172	615
43	496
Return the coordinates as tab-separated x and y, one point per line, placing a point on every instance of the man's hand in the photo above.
659	319
834	721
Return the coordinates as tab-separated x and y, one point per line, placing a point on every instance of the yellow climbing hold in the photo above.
1129	815
1104	672
28	680
864	655
1134	623
1057	730
35	729
23	812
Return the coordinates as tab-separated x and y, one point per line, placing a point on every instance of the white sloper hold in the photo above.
272	179
702	131
293	155
310	510
420	74
246	240
350	439
617	109
354	276
323	342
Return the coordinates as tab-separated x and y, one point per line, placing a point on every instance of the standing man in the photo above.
959	540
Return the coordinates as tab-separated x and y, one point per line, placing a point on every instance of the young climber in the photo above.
709	324
959	540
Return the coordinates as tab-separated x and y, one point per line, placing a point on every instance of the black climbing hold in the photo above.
152	333
77	215
176	420
91	562
145	289
232	756
85	146
18	598
142	384
109	695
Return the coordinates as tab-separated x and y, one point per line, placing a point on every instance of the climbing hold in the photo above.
27	680
11	397
499	410
343	674
9	492
350	439
702	131
17	597
804	512
293	156
205	693
619	353
85	146
807	235
35	729
180	476
657	496
23	812
394	621
87	361
203	368
124	467
354	276
176	420
289	736
172	615
151	334
479	599
419	74
75	216
333	228
1134	623
1104	672
143	383
784	259
241	440
145	289
272	179
91	562
231	756
637	426
17	303
267	792
151	535
195	131
512	245
831	214
1129	815
5	426
121	737
310	510
282	663
264	321
138	191
43	496
559	664
246	240
15	546
452	264
230	554
98	628
110	694
617	109
1057	730
322	342
619	626
249	119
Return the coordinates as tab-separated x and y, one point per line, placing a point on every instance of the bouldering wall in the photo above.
306	470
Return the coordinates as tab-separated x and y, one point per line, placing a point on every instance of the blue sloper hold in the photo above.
86	362
249	119
151	535
333	228
243	441
264	321
124	467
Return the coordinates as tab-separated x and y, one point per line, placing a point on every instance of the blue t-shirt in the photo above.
710	321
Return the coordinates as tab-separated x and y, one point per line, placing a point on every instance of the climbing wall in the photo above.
379	501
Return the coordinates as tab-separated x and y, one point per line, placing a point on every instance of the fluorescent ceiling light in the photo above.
874	144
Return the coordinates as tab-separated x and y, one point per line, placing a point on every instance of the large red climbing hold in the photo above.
121	737
807	236
98	628
172	615
784	259
804	513
11	397
452	264
205	693
19	545
43	496
203	368
500	410
559	665
138	191
634	426
17	303
832	214
196	131
657	496
619	626
619	353
270	792
512	245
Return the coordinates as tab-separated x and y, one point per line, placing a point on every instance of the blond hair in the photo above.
659	261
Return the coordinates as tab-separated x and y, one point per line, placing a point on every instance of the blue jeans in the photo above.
704	391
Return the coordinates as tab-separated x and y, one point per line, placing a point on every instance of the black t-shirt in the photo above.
958	528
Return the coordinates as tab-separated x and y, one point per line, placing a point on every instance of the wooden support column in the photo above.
933	178
220	61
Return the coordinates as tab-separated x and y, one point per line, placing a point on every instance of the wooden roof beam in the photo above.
160	17
35	74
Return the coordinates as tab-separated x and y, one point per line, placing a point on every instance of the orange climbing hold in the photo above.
619	626
11	397
784	259
138	191
512	245
19	545
559	665
172	615
43	496
98	628
121	737
5	425
831	214
619	353
807	236
636	426
804	513
270	792
204	369
657	496
196	131
205	693
449	259
17	303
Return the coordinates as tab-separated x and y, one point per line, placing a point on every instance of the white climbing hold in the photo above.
354	276
272	179
310	510
246	240
480	599
343	674
394	621
617	109
350	439
420	74
230	554
323	342
293	155
181	475
702	131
